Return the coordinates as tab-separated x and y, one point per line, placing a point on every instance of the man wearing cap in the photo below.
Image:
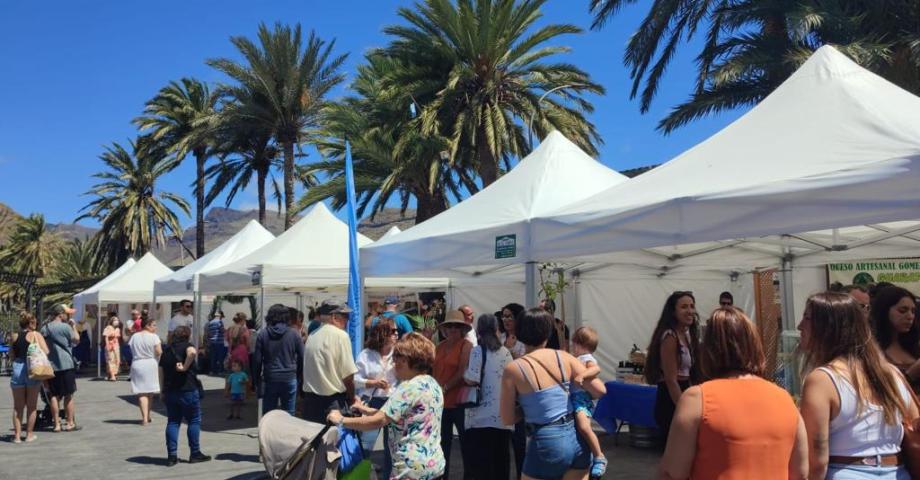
328	365
403	326
61	335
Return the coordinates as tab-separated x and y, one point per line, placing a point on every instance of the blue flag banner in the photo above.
355	324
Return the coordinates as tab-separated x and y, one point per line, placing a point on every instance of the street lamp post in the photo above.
539	102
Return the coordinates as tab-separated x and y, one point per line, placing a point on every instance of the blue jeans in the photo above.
554	450
183	405
218	353
866	472
369	438
283	393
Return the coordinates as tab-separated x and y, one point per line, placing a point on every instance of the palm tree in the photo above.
291	82
391	156
134	215
177	118
76	260
752	46
31	248
495	84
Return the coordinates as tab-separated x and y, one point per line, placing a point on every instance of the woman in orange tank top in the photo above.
736	426
451	359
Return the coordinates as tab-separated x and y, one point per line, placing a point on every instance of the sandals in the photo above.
72	428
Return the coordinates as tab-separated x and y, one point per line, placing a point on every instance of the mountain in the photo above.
220	224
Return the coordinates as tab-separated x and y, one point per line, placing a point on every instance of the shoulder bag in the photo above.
39	366
471	396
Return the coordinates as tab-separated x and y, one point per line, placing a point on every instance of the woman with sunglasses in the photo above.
375	379
451	359
672	356
893	314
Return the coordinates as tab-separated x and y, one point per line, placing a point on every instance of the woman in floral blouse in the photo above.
412	414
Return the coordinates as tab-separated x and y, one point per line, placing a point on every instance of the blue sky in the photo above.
74	73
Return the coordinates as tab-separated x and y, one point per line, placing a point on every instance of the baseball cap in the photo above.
332	305
62	308
391	300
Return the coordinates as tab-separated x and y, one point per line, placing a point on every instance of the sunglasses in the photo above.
725	304
393	332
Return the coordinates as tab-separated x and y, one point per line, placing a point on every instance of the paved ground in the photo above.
113	445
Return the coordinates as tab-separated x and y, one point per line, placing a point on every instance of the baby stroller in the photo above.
292	448
44	419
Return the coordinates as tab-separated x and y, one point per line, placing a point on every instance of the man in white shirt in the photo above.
468	317
328	364
182	318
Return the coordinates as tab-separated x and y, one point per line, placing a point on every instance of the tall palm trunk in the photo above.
261	175
428	205
199	201
488	166
288	184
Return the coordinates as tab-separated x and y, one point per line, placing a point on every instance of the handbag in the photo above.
910	443
39	366
471	396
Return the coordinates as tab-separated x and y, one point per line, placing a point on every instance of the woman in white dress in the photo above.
145	379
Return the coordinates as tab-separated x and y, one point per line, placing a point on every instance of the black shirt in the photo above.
21	346
177	381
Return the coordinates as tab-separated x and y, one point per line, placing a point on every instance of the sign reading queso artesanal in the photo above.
904	272
506	246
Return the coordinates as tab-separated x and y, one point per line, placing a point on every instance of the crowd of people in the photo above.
721	419
518	391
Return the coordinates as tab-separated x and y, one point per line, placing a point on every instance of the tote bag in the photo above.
39	365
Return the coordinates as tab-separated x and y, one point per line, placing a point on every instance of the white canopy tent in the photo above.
184	282
80	299
310	256
133	286
833	152
808	176
462	243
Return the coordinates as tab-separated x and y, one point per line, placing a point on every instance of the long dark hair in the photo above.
668	321
882	302
515	309
839	330
485	332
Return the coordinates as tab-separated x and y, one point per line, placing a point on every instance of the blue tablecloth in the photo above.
626	402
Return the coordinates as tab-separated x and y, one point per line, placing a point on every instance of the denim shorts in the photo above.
20	377
237	397
553	450
866	472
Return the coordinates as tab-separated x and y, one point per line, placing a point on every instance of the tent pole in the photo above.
576	299
530	284
790	336
98	349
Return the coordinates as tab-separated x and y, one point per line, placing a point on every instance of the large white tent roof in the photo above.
184	281
134	284
462	240
834	146
79	300
312	254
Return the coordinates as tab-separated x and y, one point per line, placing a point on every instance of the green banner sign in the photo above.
903	272
505	246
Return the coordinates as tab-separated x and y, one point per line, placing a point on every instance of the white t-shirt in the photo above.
327	361
372	366
179	320
486	415
471	337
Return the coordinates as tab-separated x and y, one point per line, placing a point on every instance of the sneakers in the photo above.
199	457
172	460
598	467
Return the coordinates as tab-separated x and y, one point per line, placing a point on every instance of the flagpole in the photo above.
355	325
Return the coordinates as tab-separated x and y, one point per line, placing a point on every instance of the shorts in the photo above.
554	450
582	402
237	397
20	378
64	383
